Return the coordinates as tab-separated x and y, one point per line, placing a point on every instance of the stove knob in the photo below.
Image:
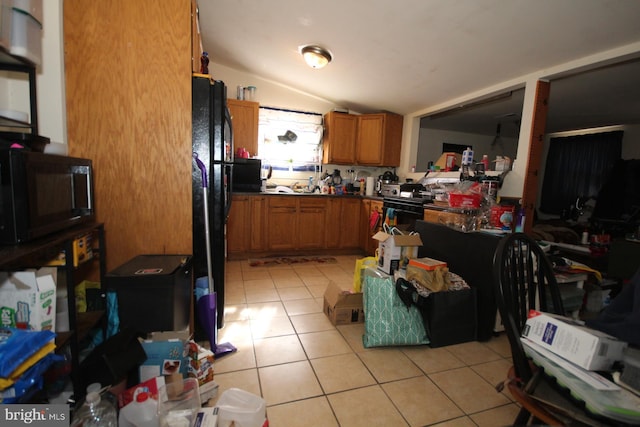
394	192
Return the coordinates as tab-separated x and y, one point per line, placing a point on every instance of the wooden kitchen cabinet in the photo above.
282	223
131	115
343	223
339	140
379	139
311	222
245	226
332	233
244	115
349	223
265	225
257	225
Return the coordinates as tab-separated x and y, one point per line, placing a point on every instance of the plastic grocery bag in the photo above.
358	276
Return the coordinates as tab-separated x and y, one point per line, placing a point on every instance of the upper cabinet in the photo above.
244	116
339	138
367	139
379	139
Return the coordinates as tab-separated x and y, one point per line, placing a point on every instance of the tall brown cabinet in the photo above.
128	96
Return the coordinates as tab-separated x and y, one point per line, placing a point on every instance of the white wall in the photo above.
430	147
268	93
52	112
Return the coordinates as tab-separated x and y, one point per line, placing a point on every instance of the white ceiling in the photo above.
408	55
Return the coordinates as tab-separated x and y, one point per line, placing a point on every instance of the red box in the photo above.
497	211
458	200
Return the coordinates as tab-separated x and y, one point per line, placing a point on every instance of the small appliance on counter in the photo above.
247	175
42	193
387	185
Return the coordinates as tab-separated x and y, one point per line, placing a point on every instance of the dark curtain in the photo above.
578	166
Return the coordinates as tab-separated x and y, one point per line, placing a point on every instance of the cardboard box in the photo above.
28	299
342	306
447	161
426	263
588	348
200	363
395	250
166	354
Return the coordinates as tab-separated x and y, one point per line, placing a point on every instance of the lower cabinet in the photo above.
246	224
311	222
343	223
349	223
269	224
282	223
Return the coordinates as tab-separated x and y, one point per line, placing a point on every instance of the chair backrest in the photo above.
523	280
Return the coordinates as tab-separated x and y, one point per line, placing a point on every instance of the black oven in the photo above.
403	211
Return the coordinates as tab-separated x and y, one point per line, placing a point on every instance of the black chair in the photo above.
524	280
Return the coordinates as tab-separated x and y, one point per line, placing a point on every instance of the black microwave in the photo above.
42	193
246	175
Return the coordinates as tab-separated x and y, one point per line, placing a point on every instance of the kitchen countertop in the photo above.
270	193
441	208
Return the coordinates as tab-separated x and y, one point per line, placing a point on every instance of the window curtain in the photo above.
578	166
289	139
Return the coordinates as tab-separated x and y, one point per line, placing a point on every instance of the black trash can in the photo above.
153	292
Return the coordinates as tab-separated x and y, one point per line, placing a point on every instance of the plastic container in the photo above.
250	93
26	36
142	412
95	412
178	403
467	157
241	407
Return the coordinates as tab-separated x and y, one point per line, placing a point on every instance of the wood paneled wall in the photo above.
128	97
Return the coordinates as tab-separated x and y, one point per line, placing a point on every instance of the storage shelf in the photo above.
9	62
38	253
29	255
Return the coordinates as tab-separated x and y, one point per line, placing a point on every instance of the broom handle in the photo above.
205	200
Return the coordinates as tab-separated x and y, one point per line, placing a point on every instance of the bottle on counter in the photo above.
467	157
485	162
142	412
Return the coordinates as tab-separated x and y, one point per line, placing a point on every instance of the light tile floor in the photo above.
312	373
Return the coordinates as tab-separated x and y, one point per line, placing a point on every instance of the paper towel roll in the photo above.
369	187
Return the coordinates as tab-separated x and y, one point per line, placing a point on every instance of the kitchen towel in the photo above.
369	186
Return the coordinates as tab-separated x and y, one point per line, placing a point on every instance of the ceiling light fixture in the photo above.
315	56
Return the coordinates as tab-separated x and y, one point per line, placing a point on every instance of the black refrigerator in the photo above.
213	144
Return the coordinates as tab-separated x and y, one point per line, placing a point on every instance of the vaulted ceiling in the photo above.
408	55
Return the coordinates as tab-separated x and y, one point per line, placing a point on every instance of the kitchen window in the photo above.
289	140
